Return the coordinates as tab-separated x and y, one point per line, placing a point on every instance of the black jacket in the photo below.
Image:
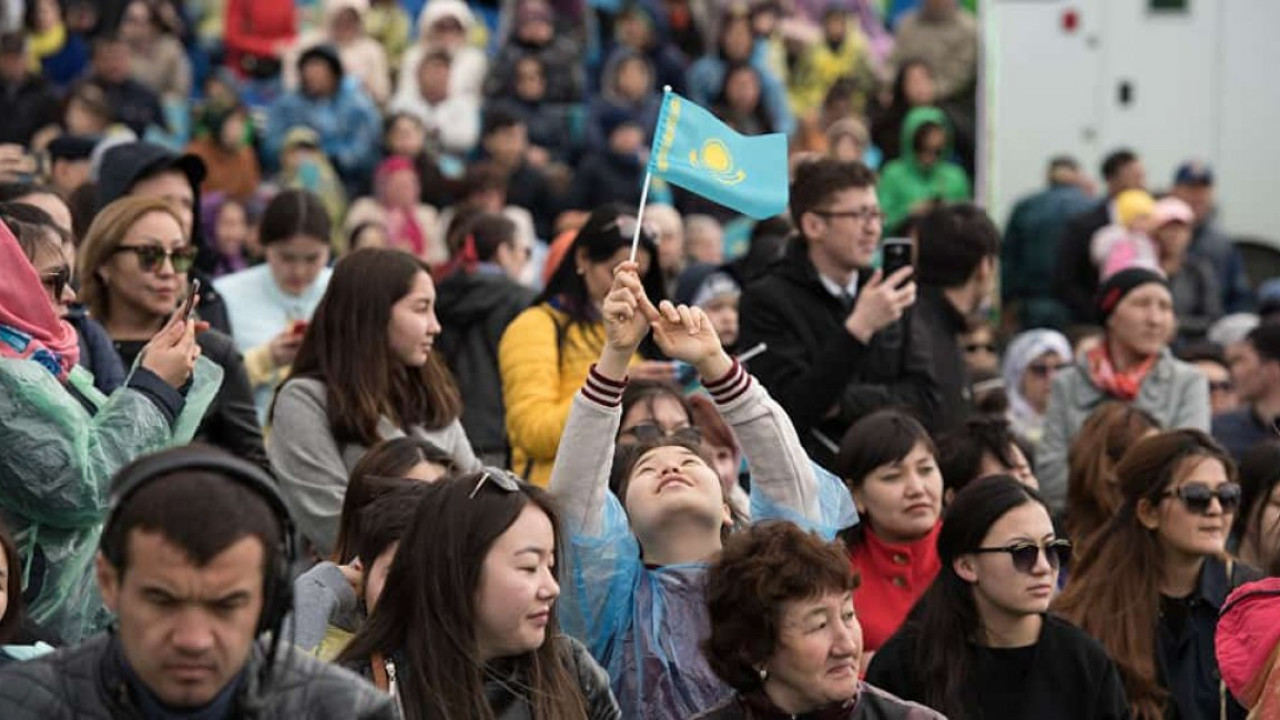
821	375
232	420
88	682
29	106
1077	277
942	323
474	309
133	103
97	355
604	177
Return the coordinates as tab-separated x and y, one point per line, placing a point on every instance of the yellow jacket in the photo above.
539	381
821	66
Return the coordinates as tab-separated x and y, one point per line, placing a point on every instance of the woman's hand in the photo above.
685	333
172	353
624	323
284	347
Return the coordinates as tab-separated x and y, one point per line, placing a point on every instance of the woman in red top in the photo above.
887	459
256	35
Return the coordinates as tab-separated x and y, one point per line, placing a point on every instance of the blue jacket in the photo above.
349	126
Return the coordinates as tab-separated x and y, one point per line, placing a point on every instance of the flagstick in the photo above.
644	195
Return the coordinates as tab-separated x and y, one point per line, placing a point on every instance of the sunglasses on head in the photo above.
625	225
649	432
151	257
1025	555
56	280
504	480
1197	497
1043	370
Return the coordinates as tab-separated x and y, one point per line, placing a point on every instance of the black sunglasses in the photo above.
57	280
504	480
648	432
1197	497
1026	555
151	257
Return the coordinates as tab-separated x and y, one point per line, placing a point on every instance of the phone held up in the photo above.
895	254
189	305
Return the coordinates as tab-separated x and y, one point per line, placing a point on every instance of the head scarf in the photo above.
29	326
1024	349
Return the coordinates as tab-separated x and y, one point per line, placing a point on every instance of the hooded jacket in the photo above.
561	58
611	102
363	58
469	64
905	182
475	309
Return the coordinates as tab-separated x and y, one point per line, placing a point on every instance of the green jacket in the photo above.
904	182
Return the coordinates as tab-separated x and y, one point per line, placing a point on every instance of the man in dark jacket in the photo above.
194	562
1076	276
1029	255
956	268
1255	369
132	102
834	349
30	103
1193	184
504	139
475	304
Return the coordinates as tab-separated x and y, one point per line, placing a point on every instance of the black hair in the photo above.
294	212
960	450
952	241
759	113
11	619
881	438
15	191
385	520
1259	474
818	180
491	231
945	621
1265	339
498	118
179	506
1202	351
1116	161
917	140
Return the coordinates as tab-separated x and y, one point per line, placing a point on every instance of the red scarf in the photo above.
29	326
1122	385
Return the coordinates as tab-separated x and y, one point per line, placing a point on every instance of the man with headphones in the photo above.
195	562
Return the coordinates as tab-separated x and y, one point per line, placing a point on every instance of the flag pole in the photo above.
644	197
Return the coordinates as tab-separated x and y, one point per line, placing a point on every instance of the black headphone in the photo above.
278	591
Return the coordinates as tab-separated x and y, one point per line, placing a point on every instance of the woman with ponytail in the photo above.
980	643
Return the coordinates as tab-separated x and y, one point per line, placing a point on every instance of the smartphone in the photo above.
895	254
299	328
189	305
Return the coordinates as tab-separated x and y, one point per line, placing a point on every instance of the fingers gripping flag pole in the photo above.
695	150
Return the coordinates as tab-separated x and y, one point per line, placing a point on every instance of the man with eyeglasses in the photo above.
956	268
835	350
1255	368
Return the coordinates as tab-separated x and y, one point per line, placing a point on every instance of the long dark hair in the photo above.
11	620
946	618
881	438
294	212
1114	593
380	471
346	347
430	598
1259	475
1093	490
600	237
723	109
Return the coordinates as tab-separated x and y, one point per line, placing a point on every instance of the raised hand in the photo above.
686	333
625	325
172	352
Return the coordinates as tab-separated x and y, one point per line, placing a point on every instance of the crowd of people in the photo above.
343	375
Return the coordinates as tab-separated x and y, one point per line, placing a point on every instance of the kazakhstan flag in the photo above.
694	150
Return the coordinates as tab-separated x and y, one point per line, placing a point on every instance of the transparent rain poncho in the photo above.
645	624
56	464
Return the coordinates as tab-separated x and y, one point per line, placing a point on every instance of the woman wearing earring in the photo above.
547	350
366	372
980	643
1152	583
133	272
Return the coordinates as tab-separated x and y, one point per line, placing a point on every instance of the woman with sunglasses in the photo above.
981	644
547	350
1151	585
133	272
466	626
63	440
639	546
888	461
1030	364
367	371
1132	364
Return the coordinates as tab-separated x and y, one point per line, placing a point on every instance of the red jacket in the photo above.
892	578
257	27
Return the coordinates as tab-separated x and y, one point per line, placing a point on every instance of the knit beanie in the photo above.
1114	289
1133	204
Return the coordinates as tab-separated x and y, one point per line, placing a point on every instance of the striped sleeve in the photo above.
602	390
730	387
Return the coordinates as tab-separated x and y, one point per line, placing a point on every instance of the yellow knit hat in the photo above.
1132	205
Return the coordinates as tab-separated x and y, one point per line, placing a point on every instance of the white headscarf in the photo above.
1024	349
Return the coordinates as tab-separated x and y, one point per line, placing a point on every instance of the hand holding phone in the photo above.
895	254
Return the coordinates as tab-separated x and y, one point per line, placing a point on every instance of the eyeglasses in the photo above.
1042	370
1221	386
1026	555
649	432
151	257
1197	497
980	347
504	480
861	214
56	280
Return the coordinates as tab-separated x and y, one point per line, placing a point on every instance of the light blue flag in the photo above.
693	149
